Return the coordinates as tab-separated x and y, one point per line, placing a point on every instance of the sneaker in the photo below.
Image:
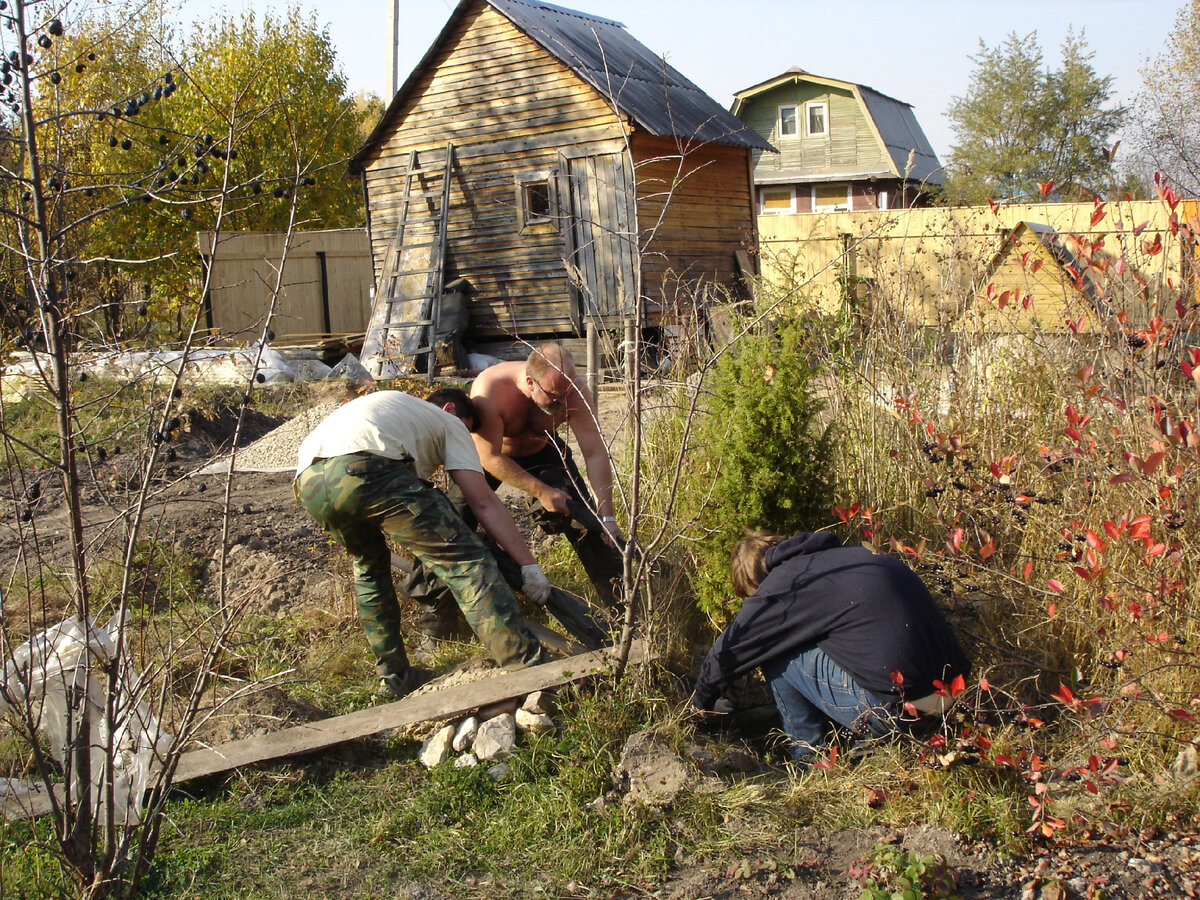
397	686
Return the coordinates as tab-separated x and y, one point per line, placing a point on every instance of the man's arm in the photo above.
492	514
489	438
583	420
499	523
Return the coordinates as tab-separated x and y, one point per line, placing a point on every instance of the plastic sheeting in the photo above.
36	681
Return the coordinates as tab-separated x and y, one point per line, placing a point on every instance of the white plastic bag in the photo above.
34	683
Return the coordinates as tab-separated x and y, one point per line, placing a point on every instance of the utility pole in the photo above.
394	49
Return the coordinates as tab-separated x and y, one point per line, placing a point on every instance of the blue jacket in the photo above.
871	614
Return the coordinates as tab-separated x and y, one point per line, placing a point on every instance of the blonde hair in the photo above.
747	562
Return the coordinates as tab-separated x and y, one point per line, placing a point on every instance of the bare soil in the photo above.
273	546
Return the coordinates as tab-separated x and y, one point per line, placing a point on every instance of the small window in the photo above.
830	197
787	126
816	119
535	196
535	199
777	201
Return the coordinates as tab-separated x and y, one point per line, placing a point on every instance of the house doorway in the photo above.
601	235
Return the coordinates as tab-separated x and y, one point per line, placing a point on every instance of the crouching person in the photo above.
844	637
362	476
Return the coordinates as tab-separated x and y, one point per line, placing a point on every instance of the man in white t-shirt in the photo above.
362	475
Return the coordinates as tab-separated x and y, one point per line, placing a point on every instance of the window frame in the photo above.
779	112
836	207
808	107
762	208
524	183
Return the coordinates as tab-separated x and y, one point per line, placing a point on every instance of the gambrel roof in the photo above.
655	96
893	121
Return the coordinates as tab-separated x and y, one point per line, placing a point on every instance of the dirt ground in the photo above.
277	549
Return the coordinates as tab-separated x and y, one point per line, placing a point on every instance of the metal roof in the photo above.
604	55
656	96
897	125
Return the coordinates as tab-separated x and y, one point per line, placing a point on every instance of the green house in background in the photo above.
841	147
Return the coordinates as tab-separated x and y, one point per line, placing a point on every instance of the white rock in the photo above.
541	702
534	723
466	761
437	749
467	729
496	737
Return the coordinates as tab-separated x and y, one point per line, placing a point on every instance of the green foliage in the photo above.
1167	131
1021	126
765	457
148	137
891	873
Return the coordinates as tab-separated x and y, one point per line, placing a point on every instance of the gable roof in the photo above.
604	55
894	122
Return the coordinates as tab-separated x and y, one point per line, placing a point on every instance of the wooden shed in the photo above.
561	169
1056	283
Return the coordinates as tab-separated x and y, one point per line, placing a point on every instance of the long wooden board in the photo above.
447	703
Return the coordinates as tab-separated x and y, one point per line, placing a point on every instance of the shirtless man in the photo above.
520	405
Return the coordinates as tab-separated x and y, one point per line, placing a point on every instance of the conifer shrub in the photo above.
763	455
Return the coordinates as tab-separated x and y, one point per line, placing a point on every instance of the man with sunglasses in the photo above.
520	407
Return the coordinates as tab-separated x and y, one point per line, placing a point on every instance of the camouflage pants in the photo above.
555	465
360	499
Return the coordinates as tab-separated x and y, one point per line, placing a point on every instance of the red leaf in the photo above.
1044	188
1097	213
1123	477
1034	266
897	677
1152	462
1054	584
827	763
1064	695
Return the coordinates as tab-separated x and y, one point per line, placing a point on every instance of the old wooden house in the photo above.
843	147
557	170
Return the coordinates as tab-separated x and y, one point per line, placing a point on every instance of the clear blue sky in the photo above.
915	50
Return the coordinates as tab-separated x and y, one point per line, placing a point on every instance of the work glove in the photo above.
534	583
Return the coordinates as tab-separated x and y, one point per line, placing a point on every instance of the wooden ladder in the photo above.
404	317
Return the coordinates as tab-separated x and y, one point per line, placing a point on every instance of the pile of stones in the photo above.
477	741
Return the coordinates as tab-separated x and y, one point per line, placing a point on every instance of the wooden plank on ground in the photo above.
447	703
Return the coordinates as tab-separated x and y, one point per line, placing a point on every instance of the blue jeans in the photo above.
811	691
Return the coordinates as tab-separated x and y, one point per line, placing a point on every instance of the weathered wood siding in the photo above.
850	143
509	110
321	270
695	210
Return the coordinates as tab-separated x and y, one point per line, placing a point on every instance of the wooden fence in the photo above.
325	289
936	261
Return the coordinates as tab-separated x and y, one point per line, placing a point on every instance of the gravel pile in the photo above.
276	451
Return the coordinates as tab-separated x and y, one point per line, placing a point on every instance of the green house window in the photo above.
816	119
788	122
